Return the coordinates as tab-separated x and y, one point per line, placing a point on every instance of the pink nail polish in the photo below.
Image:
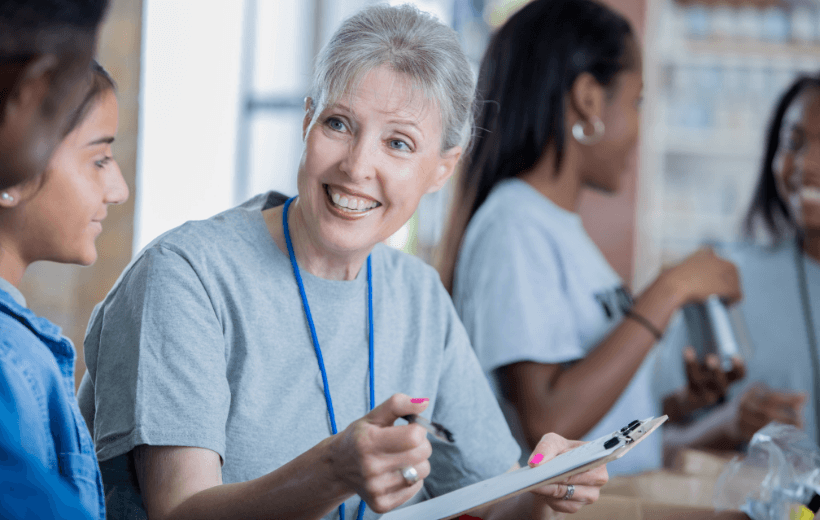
536	458
418	400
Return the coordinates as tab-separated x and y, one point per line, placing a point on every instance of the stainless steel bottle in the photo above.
715	329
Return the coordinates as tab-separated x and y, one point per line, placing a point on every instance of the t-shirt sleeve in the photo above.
484	446
160	368
516	307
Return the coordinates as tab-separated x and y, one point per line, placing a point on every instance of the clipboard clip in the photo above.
625	435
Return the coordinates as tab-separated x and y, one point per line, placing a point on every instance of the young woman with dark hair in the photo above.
779	265
560	86
55	216
45	49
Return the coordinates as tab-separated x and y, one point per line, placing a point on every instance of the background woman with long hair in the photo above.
779	266
560	87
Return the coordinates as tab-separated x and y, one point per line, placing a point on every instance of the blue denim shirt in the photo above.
37	373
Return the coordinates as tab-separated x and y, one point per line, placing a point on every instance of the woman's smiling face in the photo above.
369	157
797	162
65	211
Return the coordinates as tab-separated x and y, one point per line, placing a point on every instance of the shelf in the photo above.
776	54
711	143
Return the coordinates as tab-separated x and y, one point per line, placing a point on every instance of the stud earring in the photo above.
5	196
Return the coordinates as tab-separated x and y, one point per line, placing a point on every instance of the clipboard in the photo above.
507	485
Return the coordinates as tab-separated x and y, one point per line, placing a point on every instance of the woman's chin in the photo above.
84	258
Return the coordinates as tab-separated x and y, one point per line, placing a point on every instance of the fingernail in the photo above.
536	458
418	400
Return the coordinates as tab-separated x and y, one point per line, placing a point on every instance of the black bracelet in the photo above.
645	322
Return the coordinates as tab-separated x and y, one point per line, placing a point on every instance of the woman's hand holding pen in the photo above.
585	487
369	455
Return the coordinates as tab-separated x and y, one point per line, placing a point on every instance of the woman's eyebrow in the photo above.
102	140
407	122
339	106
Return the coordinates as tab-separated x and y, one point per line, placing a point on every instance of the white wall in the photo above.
188	114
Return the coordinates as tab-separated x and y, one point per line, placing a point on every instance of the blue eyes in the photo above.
335	124
397	145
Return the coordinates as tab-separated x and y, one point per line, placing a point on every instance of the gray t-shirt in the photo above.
531	285
203	342
772	311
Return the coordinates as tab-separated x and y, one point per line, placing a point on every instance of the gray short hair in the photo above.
410	42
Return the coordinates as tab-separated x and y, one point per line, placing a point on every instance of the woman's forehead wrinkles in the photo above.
406	107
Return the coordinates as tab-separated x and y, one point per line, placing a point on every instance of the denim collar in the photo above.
41	327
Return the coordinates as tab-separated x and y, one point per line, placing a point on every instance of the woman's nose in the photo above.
358	161
116	190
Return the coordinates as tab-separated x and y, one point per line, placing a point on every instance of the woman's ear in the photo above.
445	168
587	98
308	116
11	197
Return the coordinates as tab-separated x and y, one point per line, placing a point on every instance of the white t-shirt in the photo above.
530	285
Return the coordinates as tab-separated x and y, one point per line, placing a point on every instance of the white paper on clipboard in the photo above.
507	485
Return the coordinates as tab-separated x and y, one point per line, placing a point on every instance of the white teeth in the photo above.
351	203
810	193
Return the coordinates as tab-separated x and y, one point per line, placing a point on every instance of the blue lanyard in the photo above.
316	346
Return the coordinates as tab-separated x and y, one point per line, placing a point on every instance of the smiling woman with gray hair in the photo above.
236	368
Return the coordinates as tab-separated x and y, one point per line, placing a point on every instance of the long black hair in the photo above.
527	71
767	206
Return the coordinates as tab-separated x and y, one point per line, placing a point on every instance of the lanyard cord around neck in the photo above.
808	319
316	346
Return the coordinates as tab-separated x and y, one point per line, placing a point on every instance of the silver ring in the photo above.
570	491
411	476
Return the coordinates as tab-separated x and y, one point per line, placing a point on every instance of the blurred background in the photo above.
211	97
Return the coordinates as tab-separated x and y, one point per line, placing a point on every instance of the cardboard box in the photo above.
661	495
665	487
698	462
613	507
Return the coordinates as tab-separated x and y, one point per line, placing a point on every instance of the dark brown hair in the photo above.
527	71
66	29
101	82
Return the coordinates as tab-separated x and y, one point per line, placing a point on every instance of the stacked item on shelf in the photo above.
721	65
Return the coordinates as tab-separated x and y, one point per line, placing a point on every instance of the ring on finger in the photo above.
411	476
570	491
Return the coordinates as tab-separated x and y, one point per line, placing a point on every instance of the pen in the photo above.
438	431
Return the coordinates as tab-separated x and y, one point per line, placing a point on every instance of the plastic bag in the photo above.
781	468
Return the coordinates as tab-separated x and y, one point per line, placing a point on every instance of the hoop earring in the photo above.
588	140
